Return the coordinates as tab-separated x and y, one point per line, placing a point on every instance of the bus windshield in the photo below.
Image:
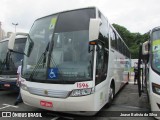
19	47
10	61
3	54
156	50
60	51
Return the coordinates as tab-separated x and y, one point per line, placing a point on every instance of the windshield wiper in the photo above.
41	61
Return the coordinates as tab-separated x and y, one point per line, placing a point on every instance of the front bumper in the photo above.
74	105
155	104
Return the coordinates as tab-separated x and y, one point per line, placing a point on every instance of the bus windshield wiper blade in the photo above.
41	60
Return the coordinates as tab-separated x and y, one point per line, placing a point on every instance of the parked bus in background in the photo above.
151	59
9	62
76	61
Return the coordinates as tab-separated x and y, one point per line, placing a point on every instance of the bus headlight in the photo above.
81	92
24	87
156	88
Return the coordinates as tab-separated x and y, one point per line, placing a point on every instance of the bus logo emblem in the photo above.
45	92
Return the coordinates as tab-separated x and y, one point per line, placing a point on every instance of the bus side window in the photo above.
100	58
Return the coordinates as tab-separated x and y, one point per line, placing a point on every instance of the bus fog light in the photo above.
24	87
156	88
81	92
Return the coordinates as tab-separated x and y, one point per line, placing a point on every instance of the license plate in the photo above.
46	103
6	85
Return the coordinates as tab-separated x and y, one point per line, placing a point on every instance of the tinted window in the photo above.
102	53
113	38
123	48
67	21
156	35
3	51
102	64
104	31
20	44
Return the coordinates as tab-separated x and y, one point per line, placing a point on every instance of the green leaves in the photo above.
131	39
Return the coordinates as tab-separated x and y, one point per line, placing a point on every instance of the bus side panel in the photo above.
116	69
101	94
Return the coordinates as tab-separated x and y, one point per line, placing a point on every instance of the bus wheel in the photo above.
111	95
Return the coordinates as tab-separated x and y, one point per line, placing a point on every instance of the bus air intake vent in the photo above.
49	93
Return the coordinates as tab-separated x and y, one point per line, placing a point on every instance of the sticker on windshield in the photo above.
156	45
52	24
53	73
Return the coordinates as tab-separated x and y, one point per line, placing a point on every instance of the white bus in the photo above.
76	61
151	52
9	62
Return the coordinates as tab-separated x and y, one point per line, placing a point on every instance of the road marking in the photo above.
131	82
60	116
69	118
7	105
55	118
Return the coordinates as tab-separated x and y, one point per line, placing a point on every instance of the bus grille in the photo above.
49	93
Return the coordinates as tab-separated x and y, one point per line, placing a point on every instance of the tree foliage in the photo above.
133	40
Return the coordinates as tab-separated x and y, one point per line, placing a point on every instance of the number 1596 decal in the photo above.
82	85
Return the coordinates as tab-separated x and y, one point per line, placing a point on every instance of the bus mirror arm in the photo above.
145	48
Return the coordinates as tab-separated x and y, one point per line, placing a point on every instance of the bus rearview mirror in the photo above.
11	41
145	48
94	27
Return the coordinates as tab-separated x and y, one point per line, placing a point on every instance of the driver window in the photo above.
100	58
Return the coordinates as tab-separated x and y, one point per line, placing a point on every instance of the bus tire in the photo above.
111	94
